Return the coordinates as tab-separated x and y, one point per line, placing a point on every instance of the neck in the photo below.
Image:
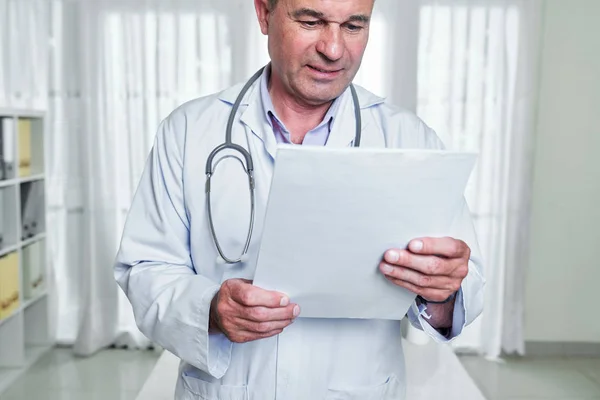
298	117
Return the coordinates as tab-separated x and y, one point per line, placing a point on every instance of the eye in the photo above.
310	24
353	28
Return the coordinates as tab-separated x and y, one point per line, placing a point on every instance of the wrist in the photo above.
213	318
440	315
450	299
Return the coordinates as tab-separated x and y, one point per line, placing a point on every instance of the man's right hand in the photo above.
244	312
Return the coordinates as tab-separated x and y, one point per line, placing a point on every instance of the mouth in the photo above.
324	71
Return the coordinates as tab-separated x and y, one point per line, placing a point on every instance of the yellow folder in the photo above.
9	284
24	129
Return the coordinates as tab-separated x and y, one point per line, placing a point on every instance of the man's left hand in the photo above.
433	268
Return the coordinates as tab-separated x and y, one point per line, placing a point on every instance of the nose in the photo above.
331	43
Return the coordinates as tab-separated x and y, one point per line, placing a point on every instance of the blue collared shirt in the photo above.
316	137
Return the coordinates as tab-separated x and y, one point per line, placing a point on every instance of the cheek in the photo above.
296	47
356	49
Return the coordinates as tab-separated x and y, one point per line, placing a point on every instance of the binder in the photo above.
36	208
9	284
3	226
7	132
27	210
33	270
2	163
24	128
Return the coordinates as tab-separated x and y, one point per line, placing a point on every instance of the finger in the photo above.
429	294
418	279
425	264
262	314
262	327
445	247
251	296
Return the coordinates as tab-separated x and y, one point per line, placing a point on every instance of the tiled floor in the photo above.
537	378
110	374
119	375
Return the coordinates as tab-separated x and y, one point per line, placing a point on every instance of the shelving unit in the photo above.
24	305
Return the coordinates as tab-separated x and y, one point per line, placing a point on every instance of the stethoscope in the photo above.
249	167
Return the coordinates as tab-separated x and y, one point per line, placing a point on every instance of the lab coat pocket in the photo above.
388	390
197	389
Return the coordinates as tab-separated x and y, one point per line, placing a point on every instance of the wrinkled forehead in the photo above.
335	10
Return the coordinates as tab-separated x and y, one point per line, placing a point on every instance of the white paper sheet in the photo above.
332	213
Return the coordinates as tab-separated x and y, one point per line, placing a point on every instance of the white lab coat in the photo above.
167	265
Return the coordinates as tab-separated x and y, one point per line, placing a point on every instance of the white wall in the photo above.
563	281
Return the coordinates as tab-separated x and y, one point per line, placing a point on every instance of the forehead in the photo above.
331	9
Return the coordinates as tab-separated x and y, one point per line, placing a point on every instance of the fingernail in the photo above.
393	256
387	268
284	301
417	245
296	311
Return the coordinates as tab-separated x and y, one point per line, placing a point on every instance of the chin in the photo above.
317	97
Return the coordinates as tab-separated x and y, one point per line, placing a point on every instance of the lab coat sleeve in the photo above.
171	303
469	299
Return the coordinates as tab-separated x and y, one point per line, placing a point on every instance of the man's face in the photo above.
316	46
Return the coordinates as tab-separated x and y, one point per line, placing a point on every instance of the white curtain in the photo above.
477	89
119	67
24	54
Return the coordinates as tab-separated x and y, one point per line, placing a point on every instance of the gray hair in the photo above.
272	4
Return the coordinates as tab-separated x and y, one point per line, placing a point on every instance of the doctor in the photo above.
240	342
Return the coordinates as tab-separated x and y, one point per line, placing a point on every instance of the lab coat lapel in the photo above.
343	131
251	114
254	118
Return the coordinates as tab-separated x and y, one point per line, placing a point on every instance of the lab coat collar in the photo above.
343	129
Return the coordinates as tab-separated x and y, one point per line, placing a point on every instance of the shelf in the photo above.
28	302
9	249
11	316
24	243
32	240
36	177
16	181
9	375
25	333
15	112
9	182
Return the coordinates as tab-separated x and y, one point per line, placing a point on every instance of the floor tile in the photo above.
554	398
66	394
113	373
544	378
588	366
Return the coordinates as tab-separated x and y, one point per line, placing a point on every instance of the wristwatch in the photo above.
425	301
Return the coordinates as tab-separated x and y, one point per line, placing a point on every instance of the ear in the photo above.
262	12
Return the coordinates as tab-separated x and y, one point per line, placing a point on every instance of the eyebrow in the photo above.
308	12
